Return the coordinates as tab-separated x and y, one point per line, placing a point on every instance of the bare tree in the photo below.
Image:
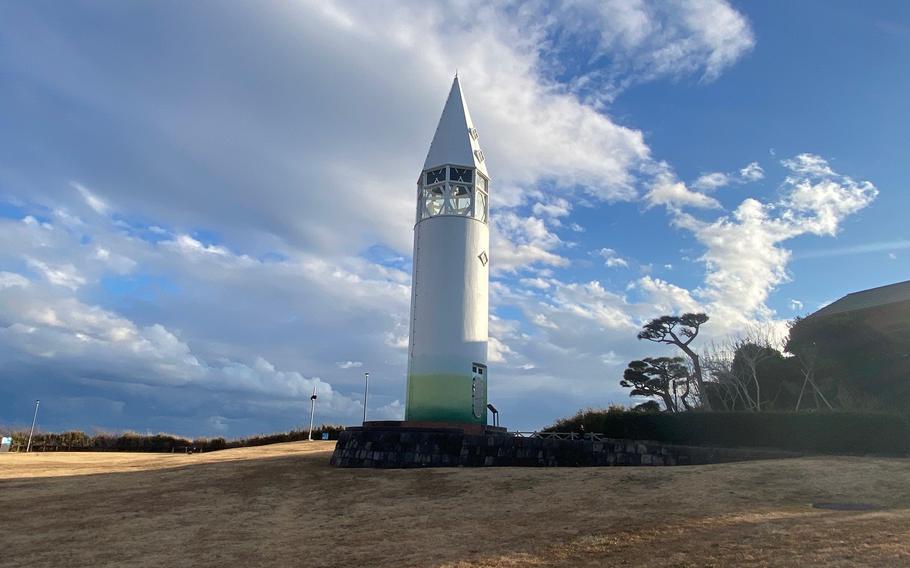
751	349
729	387
680	331
733	365
807	357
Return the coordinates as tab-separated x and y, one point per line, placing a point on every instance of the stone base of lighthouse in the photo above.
441	444
408	443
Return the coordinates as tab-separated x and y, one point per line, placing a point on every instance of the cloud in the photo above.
93	201
61	275
84	343
612	259
557	208
744	259
818	198
864	248
643	41
712	181
709	182
796	305
752	172
210	280
10	279
538	283
666	298
520	242
667	190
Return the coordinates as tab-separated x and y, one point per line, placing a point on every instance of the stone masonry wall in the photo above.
426	448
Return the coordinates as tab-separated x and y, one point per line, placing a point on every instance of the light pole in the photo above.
366	394
312	412
28	447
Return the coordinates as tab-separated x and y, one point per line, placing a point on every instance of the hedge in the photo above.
834	433
76	441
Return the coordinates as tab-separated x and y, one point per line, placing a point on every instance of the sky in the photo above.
206	208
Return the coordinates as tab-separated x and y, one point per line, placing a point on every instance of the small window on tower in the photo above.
473	133
462	174
436	176
479	155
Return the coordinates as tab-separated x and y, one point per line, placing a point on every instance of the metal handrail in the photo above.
596	437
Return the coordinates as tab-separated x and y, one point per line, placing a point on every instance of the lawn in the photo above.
283	505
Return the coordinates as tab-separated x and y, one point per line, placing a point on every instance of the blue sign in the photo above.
325	435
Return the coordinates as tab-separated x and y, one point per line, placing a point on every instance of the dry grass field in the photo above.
283	505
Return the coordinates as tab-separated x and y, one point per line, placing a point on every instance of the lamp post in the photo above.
28	447
366	394
312	413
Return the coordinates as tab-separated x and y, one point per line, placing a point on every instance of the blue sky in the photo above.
206	210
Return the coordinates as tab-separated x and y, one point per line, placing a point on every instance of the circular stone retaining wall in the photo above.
402	448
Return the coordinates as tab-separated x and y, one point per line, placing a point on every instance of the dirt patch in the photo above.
283	505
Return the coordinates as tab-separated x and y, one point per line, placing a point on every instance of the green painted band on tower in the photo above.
445	398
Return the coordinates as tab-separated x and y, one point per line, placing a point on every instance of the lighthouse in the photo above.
447	346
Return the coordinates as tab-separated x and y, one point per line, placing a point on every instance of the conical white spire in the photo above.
455	141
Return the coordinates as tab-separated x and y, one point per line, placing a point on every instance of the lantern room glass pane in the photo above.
435	199
464	175
480	206
436	176
461	200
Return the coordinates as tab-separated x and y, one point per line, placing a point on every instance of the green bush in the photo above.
834	433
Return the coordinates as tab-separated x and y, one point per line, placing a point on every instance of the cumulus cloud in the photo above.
667	190
666	298
520	242
744	258
752	172
612	259
714	180
556	208
538	283
641	41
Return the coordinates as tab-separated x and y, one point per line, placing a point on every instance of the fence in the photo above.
595	437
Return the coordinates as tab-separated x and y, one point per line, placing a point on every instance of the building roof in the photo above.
455	141
872	298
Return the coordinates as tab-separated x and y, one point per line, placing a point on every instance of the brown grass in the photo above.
283	505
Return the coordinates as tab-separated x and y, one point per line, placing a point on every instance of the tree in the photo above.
660	377
748	372
854	359
647	406
680	331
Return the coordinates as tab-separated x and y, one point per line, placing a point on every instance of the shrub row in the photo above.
835	433
132	442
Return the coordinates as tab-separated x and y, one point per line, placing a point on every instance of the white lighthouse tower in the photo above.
447	352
